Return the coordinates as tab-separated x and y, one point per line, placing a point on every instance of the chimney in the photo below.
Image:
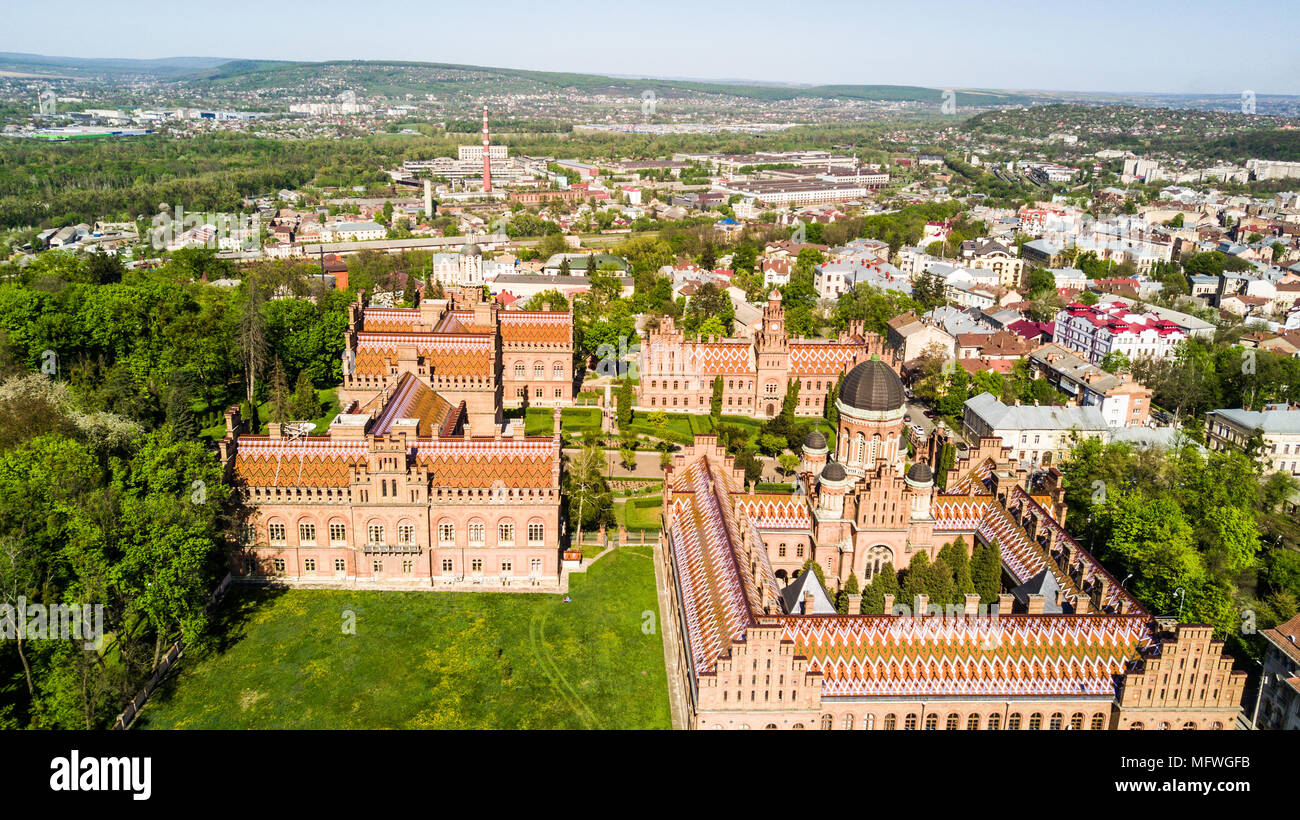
807	602
889	605
922	604
1036	603
1006	603
972	604
274	430
1082	605
855	603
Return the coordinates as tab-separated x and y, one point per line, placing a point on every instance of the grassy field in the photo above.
639	513
432	660
575	421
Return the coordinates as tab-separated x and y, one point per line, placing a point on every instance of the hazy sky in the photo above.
1103	45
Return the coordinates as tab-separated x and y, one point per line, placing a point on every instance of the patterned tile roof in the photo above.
535	327
713	587
981	656
820	358
487	462
312	461
412	398
448	354
776	512
390	320
720	358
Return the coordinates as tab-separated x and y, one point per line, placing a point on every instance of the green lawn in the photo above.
575	421
639	513
431	660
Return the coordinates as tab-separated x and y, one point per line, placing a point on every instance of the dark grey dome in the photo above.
472	249
833	472
872	385
814	440
920	473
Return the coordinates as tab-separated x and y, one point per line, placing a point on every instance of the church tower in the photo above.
772	351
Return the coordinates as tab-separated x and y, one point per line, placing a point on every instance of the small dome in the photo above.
833	472
815	440
872	385
472	249
920	473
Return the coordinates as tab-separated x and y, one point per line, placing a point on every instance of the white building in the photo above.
1037	435
1112	327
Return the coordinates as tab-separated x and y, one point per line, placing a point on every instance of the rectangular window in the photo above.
447	533
507	567
340	565
408	567
535	532
309	564
476	565
406	533
376	533
307	534
535	566
506	534
446	565
277	532
378	567
278	563
476	534
338	535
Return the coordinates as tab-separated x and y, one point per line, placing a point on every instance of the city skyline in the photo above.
1052	49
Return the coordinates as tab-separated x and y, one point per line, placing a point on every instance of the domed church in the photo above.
864	500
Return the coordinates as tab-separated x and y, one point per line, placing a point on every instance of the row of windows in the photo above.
973	722
408	566
539	371
522	392
376	533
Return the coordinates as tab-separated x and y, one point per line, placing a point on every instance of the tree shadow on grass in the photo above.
228	627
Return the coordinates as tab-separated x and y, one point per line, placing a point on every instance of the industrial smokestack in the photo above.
487	158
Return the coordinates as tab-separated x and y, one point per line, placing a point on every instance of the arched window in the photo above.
506	533
307	533
861	449
891	722
476	531
931	722
869	722
848	721
1076	720
973	723
1013	722
995	722
519	370
797	726
909	723
1137	726
770	726
1189	726
446	533
536	532
952	723
1036	721
557	372
1098	722
1057	721
538	370
827	722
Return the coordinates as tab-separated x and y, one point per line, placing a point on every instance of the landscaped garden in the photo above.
431	659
